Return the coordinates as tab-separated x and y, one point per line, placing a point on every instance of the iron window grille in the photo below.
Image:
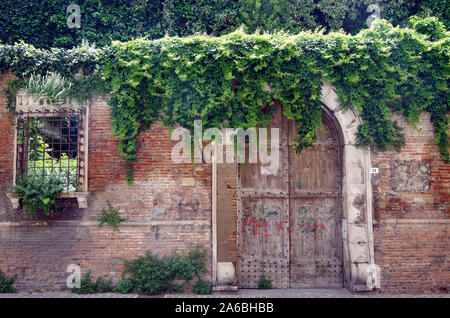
52	143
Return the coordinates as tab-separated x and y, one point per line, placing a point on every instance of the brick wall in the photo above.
410	196
411	210
162	214
6	142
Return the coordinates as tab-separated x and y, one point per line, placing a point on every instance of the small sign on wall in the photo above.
187	182
374	170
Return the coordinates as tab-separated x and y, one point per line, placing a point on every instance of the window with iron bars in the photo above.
52	143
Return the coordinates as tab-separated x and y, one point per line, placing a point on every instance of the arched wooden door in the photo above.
289	223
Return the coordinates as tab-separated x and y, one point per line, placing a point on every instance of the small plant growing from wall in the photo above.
202	287
264	283
87	286
110	216
7	283
38	192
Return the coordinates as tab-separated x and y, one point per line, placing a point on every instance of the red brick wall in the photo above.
411	209
411	189
162	214
6	142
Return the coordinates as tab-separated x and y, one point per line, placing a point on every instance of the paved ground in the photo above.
241	293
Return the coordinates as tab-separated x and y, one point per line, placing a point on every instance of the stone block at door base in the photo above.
365	276
225	273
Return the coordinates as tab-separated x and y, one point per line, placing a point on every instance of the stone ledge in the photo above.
361	288
225	289
80	196
33	103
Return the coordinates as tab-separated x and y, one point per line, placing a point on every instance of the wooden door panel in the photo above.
328	275
303	172
316	168
250	271
316	242
253	179
262	232
327	230
290	222
328	245
302	275
263	242
301	228
251	173
302	265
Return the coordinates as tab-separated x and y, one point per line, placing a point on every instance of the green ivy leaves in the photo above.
223	80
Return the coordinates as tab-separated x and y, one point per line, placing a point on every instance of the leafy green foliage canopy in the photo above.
222	80
43	23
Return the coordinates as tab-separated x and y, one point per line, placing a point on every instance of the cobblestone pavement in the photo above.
241	293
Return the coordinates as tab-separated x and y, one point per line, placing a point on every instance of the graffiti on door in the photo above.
260	222
307	227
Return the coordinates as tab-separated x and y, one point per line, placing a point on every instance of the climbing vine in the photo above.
44	23
224	80
79	66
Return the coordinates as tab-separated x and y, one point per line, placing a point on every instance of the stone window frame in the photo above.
31	103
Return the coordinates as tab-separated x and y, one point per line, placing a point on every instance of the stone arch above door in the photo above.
360	271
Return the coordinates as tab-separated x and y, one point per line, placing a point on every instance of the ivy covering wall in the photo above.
221	80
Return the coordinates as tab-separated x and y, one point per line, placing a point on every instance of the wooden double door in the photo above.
289	222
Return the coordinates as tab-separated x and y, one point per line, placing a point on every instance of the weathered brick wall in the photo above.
6	142
162	214
411	212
